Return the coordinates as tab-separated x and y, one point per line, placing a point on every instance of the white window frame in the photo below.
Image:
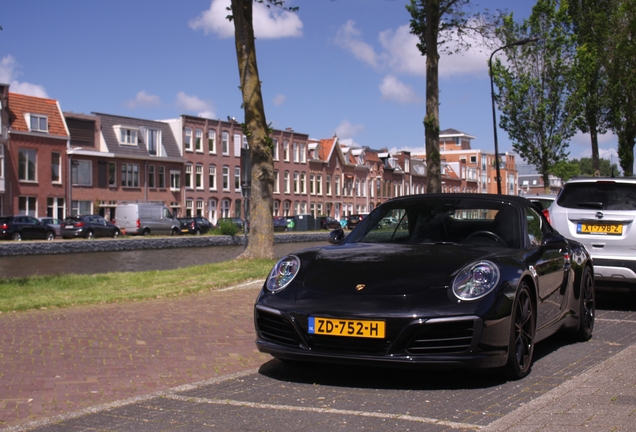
129	175
127	135
187	140
211	141
198	176
40	121
226	178
28	165
212	177
188	176
157	141
275	149
225	143
58	179
175	180
198	140
286	183
237	179
78	165
276	182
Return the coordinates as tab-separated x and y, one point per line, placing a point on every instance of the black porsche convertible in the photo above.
457	280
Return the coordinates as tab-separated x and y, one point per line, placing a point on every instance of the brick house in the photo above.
34	143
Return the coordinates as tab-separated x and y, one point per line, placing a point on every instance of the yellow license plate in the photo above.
346	327
611	229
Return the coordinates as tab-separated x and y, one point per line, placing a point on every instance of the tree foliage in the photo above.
565	170
621	63
591	28
435	22
534	86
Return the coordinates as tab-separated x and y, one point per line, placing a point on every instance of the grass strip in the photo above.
37	292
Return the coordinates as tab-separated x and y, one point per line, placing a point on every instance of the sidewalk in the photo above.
61	360
602	398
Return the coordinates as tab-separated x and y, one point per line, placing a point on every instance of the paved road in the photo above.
144	366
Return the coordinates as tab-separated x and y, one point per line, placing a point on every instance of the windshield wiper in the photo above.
591	204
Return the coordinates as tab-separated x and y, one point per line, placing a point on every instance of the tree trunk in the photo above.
261	236
431	121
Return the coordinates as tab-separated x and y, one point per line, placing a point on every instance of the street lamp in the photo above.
492	97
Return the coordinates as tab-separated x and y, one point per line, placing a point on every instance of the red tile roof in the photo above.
325	147
19	105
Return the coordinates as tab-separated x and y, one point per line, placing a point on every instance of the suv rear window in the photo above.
599	195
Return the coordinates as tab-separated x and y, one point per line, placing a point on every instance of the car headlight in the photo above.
283	273
476	280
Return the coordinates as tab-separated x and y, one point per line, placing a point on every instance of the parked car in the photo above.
53	223
463	280
195	225
280	223
24	227
238	222
600	212
146	219
353	220
88	226
328	223
544	200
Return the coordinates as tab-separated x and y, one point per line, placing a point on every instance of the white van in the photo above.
146	219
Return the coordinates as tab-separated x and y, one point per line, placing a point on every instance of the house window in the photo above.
198	177
188	207
276	182
329	185
212	210
27	205
275	149
286	181
226	178
27	164
286	151
200	207
337	185
55	207
303	153
237	178
153	141
212	177
276	208
81	208
312	184
296	155
151	176
225	143
319	184
296	185
237	145
130	175
38	123
112	176
162	177
303	183
175	180
188	176
128	136
225	208
187	143
81	173
237	208
211	141
286	208
198	140
56	175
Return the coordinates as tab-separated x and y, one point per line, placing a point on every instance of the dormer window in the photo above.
38	123
127	135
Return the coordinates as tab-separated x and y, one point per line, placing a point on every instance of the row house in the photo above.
113	159
33	144
212	171
476	168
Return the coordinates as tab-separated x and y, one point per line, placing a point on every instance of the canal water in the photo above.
138	260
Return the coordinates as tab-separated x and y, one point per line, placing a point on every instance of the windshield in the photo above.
601	195
470	221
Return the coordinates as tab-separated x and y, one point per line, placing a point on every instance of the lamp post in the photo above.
492	97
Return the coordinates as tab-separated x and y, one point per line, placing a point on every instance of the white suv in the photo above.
600	212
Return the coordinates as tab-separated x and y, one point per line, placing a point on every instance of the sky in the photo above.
345	67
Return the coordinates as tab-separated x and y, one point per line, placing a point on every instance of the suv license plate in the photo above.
346	327
611	229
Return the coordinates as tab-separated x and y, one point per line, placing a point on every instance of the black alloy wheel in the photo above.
587	307
16	236
116	233
522	330
50	236
90	235
174	232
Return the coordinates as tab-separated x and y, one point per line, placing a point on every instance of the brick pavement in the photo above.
61	360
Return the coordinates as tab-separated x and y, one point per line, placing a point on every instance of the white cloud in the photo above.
346	131
143	99
393	89
269	23
8	75
350	38
279	99
193	103
398	53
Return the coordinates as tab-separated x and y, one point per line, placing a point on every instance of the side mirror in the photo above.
553	239
336	236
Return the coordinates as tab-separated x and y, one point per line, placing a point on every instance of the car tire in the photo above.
50	236
116	233
587	307
174	232
90	235
146	232
16	236
522	332
197	232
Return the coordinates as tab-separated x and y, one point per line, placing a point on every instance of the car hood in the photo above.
387	269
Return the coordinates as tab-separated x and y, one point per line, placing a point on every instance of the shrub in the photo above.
228	228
